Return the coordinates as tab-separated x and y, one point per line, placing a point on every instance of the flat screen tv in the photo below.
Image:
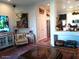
4	24
62	16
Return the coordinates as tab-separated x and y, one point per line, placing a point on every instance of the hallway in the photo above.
45	42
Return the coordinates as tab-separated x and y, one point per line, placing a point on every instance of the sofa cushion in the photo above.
59	43
71	43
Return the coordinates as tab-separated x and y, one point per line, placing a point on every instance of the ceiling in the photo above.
64	5
21	2
60	4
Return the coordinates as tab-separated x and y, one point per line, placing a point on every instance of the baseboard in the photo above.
43	39
6	48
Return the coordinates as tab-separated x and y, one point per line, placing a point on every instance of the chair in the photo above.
59	43
21	39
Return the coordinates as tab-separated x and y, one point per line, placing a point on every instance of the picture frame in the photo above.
41	11
23	22
18	15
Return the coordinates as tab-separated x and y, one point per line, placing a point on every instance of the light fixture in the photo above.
70	7
9	0
64	7
78	4
48	4
14	4
68	1
75	13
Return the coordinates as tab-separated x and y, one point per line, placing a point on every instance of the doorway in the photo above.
48	28
43	25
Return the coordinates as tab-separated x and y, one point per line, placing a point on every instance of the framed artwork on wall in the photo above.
41	11
18	15
23	23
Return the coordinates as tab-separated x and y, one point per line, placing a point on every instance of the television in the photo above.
4	24
62	16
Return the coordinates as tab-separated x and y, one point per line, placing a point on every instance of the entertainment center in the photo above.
6	37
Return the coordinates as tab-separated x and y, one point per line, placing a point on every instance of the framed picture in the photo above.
18	15
41	10
23	23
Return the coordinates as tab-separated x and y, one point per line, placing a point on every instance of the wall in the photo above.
41	24
22	9
37	22
69	35
52	20
32	19
61	34
41	20
8	10
71	17
32	10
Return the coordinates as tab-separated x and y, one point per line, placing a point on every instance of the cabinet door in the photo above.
2	41
10	40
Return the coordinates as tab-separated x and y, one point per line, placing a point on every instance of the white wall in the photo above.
41	20
52	20
23	9
41	25
32	19
71	17
8	10
37	23
32	10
